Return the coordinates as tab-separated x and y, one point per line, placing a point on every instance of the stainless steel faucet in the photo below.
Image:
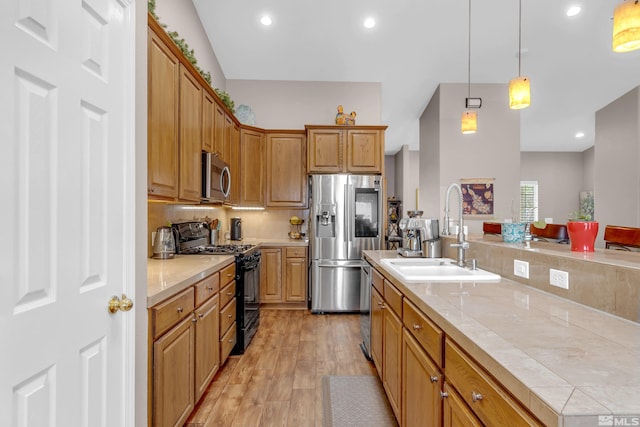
461	244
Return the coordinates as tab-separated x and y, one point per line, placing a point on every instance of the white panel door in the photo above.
66	184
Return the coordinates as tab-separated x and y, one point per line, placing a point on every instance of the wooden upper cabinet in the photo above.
226	140
286	170
234	165
335	149
190	137
365	150
208	124
326	150
163	92
252	160
219	123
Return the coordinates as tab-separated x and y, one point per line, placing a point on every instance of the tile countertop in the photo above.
566	362
166	278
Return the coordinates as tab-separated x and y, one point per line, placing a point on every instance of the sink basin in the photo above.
434	269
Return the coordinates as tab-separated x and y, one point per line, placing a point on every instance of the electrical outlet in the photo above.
559	278
521	268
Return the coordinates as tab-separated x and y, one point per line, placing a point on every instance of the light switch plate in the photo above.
521	268
559	278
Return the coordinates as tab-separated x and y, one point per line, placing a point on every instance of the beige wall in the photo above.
492	152
617	163
560	180
181	16
291	105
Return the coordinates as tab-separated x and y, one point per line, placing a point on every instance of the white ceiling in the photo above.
418	44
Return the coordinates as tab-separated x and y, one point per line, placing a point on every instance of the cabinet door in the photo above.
226	139
286	170
207	344
208	123
326	151
234	165
296	279
173	375
377	316
392	359
455	411
219	123
271	275
163	92
190	137
251	167
421	385
365	150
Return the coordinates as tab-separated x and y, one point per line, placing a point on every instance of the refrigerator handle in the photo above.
347	213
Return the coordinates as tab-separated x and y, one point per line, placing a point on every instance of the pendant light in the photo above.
626	26
519	87
469	122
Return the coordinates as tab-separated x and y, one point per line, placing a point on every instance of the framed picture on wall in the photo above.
477	197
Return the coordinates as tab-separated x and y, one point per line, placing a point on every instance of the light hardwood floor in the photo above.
278	381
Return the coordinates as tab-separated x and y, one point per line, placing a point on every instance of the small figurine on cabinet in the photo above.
345	119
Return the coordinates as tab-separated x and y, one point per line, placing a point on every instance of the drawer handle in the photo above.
200	315
444	394
433	379
180	309
229	316
381	305
229	275
209	288
476	396
229	293
417	327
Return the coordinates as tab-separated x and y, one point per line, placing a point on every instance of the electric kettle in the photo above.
164	246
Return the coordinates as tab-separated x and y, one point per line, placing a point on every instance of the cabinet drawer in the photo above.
377	279
424	330
296	252
227	316
227	293
486	398
393	297
168	313
207	288
227	274
227	342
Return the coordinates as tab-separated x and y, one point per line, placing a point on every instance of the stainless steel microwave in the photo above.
216	179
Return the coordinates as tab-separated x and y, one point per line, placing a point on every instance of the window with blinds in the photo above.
528	201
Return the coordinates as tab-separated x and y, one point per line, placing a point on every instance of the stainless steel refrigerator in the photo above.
345	219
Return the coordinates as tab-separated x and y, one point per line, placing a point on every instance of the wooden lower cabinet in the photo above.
207	344
392	359
284	276
421	385
377	318
173	375
455	411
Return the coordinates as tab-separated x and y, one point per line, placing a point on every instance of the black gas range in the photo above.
192	238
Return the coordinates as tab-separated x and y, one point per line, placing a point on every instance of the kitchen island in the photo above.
565	363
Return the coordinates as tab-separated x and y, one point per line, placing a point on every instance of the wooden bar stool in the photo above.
551	232
622	238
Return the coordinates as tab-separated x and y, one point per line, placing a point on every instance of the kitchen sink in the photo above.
434	269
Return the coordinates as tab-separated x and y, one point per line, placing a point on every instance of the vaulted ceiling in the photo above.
417	44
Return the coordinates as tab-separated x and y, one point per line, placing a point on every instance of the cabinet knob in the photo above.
209	288
444	394
417	327
200	315
180	309
476	396
229	293
433	379
194	319
151	190
229	316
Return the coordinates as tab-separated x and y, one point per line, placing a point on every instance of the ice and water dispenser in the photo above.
326	221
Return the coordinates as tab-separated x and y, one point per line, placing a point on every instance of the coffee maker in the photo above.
236	228
421	238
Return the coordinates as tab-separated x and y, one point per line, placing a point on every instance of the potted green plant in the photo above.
582	232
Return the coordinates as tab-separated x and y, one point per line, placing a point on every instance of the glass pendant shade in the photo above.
519	93
469	122
626	26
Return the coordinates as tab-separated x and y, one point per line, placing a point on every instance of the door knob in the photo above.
124	304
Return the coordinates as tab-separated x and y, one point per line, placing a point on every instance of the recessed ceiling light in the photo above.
573	10
579	134
266	21
369	23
